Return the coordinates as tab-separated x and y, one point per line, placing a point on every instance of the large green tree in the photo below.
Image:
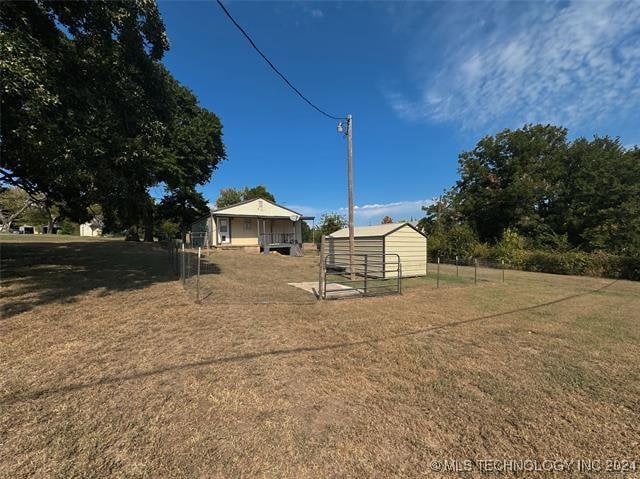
599	198
90	115
510	180
553	192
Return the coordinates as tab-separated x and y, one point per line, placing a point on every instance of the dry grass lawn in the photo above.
109	369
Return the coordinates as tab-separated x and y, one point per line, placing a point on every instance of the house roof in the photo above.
259	208
372	231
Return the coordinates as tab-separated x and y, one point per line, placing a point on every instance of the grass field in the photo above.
110	369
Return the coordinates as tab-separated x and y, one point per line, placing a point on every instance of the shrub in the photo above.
458	240
580	263
481	250
510	248
68	227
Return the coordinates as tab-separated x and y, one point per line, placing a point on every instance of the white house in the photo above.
254	225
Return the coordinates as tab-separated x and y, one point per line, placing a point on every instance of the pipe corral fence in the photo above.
344	275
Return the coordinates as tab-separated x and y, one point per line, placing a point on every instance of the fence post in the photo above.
198	277
183	270
321	277
475	271
503	271
438	273
456	266
399	276
365	274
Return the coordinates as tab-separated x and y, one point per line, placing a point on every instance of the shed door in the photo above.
224	232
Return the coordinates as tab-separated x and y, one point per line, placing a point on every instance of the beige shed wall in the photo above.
336	248
411	247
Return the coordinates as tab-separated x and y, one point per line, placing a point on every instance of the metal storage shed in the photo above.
382	241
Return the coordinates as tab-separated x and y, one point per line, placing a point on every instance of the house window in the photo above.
247	225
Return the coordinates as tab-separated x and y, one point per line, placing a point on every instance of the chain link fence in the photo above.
190	266
465	270
267	279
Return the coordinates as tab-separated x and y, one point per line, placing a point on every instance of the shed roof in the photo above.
373	231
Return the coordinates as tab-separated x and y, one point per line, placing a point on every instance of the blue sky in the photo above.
423	81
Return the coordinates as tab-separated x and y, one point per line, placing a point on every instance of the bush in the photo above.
68	227
459	240
579	263
510	248
481	250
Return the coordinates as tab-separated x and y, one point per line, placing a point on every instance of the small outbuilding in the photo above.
381	243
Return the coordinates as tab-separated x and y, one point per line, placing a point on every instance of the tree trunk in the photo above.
148	222
51	223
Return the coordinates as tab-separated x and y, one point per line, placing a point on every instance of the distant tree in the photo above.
68	227
14	202
330	223
181	207
259	191
228	197
307	233
231	196
441	214
386	220
168	229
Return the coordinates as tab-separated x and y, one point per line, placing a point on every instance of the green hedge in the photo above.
579	263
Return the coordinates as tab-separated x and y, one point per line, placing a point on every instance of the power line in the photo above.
273	67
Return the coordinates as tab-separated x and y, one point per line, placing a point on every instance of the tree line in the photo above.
533	189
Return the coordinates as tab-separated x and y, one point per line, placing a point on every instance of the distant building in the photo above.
91	228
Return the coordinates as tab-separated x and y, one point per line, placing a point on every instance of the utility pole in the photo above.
350	181
348	132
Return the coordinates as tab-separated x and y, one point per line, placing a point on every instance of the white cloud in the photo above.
370	213
316	13
526	62
304	210
399	210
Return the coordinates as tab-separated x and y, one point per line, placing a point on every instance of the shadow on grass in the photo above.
39	273
282	352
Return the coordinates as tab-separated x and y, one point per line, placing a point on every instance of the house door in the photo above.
224	232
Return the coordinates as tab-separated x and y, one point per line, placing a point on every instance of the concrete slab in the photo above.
334	290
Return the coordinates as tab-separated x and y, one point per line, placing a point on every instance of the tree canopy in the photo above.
556	193
331	222
91	116
231	196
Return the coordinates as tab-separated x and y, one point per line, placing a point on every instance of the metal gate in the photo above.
346	276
